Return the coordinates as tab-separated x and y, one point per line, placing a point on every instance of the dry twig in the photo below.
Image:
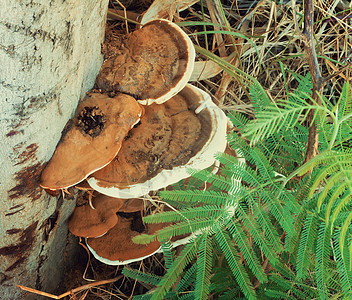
71	292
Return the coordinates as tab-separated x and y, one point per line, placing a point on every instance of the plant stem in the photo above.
312	147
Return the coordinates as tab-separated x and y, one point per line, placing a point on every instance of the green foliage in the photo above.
269	225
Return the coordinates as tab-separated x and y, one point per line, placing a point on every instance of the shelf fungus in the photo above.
94	221
184	132
152	63
116	246
91	139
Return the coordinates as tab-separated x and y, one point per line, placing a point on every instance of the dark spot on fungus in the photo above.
91	120
28	183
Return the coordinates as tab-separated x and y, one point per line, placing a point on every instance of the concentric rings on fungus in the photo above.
153	63
184	132
116	246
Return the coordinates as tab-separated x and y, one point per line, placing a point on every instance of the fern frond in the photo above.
331	183
187	296
276	294
344	104
266	171
187	254
220	182
166	246
187	279
278	117
344	201
198	196
306	245
335	162
305	85
343	267
290	287
233	261
141	276
343	233
247	251
260	99
238	120
181	228
205	211
257	234
323	253
204	268
269	230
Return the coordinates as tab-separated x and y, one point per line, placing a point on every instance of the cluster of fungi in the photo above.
141	133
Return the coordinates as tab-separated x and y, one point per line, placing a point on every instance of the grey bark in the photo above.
50	54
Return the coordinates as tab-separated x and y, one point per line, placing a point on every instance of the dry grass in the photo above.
271	27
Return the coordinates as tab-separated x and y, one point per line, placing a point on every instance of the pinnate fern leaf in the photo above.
204	268
233	260
306	245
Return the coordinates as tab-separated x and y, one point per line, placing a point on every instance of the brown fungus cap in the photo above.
88	222
153	63
91	139
132	205
170	138
116	246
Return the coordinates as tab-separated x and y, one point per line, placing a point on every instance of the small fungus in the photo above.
87	222
116	246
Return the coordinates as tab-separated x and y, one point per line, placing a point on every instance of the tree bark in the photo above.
50	54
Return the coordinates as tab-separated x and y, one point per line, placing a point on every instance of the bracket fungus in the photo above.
91	139
153	63
116	246
88	222
184	132
125	150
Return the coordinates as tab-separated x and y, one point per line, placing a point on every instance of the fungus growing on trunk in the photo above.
183	132
116	246
88	222
153	63
91	139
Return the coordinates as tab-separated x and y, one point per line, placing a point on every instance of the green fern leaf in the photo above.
181	228
344	201
247	251
197	196
343	268
187	279
260	99
233	261
187	254
204	268
141	276
323	252
205	211
256	232
306	245
166	246
275	119
343	233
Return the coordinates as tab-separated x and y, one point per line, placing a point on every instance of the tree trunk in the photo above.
50	54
